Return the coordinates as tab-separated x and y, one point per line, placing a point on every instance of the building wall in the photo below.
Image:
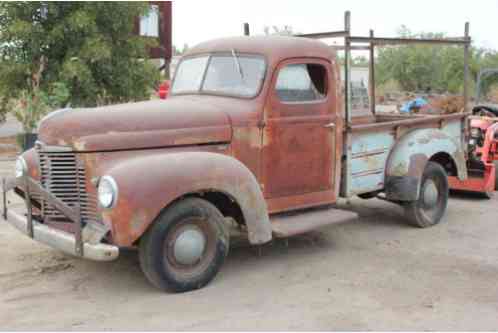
164	50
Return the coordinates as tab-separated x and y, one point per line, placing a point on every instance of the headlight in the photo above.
21	167
107	192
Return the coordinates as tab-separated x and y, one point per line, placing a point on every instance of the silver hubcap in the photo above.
189	246
430	194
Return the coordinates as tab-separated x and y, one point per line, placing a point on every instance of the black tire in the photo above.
157	251
491	194
488	195
422	214
369	195
496	174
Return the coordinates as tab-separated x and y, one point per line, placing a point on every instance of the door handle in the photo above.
330	125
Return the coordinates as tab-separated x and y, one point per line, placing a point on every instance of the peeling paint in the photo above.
409	160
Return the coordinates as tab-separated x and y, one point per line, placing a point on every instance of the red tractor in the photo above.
483	146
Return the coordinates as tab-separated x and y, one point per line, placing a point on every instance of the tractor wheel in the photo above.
496	173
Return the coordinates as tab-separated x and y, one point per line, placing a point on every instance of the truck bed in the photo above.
395	119
372	139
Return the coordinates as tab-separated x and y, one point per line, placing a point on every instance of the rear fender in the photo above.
148	184
407	161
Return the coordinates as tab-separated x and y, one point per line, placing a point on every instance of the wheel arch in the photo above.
219	179
446	161
224	202
407	161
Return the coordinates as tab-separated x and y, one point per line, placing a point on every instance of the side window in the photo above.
302	83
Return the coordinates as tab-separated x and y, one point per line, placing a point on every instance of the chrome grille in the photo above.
63	175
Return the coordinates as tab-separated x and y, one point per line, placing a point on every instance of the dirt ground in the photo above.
376	273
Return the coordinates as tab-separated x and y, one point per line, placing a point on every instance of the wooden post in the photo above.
168	37
347	67
466	127
466	69
347	93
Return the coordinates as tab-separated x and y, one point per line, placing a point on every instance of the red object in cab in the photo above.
163	89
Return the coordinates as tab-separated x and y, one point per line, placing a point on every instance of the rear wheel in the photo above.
496	174
433	197
488	195
185	247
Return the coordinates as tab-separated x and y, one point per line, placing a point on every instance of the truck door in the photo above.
298	139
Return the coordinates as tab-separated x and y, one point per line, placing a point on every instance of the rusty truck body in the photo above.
256	131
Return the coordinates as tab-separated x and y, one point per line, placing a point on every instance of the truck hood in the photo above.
177	121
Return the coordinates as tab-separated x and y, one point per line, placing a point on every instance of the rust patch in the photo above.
399	169
138	220
79	145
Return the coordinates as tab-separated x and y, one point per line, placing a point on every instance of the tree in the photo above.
356	61
88	49
488	59
424	67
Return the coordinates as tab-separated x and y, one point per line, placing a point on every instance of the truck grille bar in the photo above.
63	175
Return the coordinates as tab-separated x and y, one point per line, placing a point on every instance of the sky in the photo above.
197	21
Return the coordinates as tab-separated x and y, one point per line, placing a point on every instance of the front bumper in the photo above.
82	244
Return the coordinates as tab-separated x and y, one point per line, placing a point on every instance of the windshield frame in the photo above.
210	55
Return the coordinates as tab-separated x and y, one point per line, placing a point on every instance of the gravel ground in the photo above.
376	273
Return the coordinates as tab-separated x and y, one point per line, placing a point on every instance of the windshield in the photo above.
226	74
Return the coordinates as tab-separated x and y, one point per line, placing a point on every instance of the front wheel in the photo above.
433	198
185	247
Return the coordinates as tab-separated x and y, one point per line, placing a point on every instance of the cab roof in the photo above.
275	48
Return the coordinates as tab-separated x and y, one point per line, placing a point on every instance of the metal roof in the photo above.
275	48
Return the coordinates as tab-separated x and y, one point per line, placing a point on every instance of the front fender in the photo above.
147	184
407	161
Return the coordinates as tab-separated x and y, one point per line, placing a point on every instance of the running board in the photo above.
290	225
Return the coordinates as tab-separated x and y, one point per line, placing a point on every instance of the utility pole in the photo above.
167	39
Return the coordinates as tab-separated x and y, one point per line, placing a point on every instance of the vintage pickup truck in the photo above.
254	132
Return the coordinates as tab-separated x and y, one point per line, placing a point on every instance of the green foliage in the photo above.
81	52
488	59
389	86
30	107
358	61
424	67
